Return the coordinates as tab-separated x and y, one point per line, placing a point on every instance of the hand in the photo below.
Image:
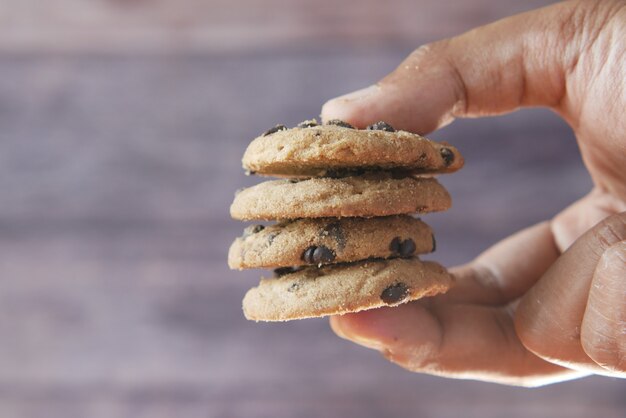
549	303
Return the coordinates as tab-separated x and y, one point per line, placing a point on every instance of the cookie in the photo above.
329	240
337	149
365	196
339	289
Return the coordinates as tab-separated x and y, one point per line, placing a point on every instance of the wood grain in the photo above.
116	172
140	26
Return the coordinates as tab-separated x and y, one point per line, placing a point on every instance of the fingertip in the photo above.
352	107
405	103
375	328
336	323
356	328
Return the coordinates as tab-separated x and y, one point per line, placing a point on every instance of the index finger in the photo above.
494	69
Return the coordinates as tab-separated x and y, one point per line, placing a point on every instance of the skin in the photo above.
547	304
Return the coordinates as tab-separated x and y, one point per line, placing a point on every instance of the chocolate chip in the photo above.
395	246
332	173
274	130
407	247
343	172
434	244
323	254
394	294
252	229
307	255
335	231
308	124
270	237
337	122
281	271
318	255
294	287
447	155
381	126
401	248
250	172
399	174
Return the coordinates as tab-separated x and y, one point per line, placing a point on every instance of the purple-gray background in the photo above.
122	124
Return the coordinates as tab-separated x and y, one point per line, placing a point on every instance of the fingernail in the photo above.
339	107
354	327
359	95
613	263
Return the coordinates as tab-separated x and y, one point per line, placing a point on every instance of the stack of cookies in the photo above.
345	239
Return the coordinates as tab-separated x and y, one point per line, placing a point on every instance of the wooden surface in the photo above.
116	173
228	26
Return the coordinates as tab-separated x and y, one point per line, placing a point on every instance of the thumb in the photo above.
575	315
603	331
518	61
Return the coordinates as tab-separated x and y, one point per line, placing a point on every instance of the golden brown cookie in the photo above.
312	150
339	289
329	240
368	195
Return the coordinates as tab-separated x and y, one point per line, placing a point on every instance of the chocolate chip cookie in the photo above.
369	195
337	149
345	240
343	288
329	240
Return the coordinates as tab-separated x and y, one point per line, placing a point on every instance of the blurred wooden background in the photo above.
210	26
122	126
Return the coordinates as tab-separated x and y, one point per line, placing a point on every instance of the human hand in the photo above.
549	303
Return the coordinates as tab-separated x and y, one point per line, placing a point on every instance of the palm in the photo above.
594	108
